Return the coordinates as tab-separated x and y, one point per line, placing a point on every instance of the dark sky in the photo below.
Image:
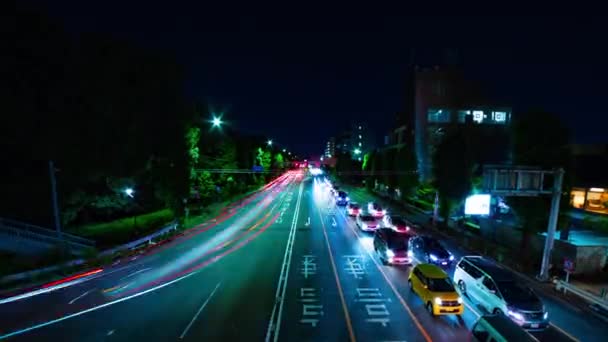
300	77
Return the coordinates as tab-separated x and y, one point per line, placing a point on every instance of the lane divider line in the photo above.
274	325
349	325
57	320
423	331
199	311
82	295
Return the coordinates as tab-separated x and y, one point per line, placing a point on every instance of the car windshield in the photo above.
440	285
433	244
367	218
397	242
341	193
511	291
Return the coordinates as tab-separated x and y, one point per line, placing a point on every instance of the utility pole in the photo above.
553	216
55	202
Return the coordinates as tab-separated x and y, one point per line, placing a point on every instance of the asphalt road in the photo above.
284	265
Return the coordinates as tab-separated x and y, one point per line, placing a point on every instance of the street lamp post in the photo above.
269	142
129	192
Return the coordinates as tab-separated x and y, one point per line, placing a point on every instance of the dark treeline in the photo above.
111	116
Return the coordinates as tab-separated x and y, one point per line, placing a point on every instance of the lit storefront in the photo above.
590	199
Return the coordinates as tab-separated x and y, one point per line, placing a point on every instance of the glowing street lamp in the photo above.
269	142
284	150
357	151
217	122
129	192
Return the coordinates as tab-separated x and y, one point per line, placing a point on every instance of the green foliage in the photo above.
125	229
279	162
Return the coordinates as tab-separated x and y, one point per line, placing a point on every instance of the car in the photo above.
498	292
499	328
342	198
367	222
353	209
375	209
397	223
392	247
436	290
429	250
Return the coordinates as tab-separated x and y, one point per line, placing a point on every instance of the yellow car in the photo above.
435	288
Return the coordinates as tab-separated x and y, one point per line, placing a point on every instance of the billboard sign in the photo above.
478	204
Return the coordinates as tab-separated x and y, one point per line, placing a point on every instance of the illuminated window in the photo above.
359	136
499	117
438	115
359	127
462	115
478	116
359	143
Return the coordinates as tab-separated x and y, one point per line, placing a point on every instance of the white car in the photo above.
375	209
367	222
497	291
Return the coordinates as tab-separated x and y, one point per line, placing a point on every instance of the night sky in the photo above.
301	78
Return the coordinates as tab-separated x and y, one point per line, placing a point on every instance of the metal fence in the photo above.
40	234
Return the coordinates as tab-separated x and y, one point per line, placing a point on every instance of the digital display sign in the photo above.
477	204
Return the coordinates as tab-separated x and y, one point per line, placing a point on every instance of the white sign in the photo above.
477	205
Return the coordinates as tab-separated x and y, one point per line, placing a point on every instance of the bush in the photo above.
126	229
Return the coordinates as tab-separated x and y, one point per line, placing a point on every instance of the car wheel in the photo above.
462	287
429	307
497	312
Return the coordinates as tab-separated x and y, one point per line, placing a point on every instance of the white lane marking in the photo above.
110	332
307	222
333	222
82	295
41	325
564	332
136	272
199	311
282	283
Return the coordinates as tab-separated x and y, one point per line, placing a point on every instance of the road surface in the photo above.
284	265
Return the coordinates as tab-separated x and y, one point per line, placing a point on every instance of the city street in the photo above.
284	265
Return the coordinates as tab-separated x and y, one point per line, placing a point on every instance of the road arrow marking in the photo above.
333	222
307	222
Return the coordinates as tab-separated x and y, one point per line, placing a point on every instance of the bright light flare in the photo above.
367	242
129	192
217	122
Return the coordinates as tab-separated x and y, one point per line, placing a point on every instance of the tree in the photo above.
278	161
547	150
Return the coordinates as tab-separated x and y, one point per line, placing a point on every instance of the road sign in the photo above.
258	168
568	265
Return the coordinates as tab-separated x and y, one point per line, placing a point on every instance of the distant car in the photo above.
375	209
342	198
353	209
392	247
367	222
397	223
429	250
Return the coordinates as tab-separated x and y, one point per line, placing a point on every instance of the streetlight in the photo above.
216	122
129	192
284	150
269	142
357	151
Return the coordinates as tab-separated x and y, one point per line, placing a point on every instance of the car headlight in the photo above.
451	258
546	315
516	315
383	212
459	300
348	199
433	257
390	253
364	225
438	301
410	254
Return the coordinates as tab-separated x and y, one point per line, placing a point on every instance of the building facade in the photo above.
444	98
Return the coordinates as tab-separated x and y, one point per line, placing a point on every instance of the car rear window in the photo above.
367	218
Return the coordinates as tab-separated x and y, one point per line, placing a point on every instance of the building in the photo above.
590	190
330	148
444	98
354	142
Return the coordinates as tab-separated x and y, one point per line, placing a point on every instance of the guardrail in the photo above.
42	234
594	300
141	241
